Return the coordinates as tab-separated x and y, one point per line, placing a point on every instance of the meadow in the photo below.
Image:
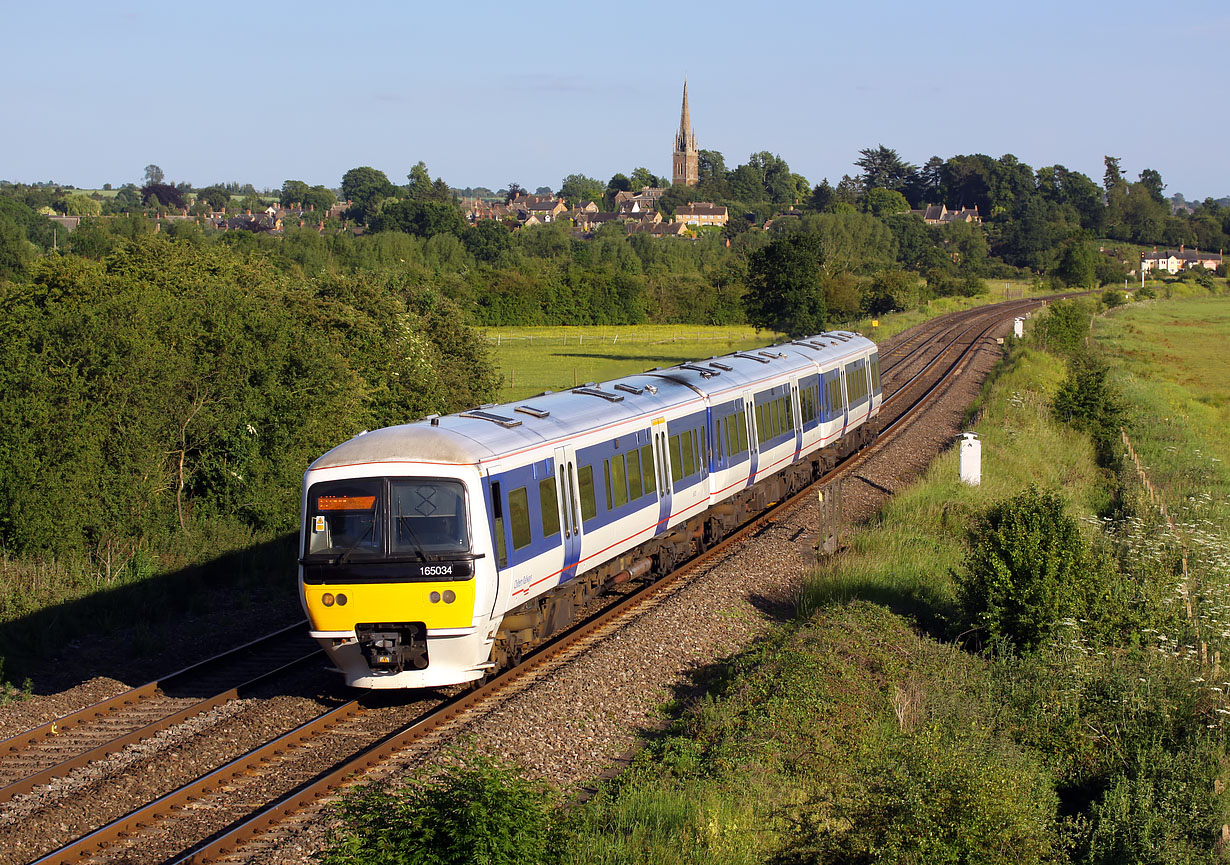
534	359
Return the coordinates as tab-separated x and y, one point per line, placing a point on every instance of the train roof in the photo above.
492	432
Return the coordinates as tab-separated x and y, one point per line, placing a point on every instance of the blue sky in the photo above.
487	93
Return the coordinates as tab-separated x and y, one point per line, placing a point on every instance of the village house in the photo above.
701	213
939	214
1172	262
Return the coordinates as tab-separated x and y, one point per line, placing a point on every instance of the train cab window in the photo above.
676	460
585	482
428	517
647	469
635	489
346	518
548	504
519	517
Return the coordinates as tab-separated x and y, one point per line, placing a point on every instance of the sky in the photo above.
491	93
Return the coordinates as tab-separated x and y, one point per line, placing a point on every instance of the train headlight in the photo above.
327	599
435	597
449	596
341	600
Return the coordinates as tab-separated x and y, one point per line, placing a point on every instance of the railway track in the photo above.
248	805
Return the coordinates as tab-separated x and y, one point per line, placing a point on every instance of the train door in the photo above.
753	442
845	401
663	468
569	510
797	413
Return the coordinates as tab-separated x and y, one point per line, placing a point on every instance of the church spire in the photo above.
686	158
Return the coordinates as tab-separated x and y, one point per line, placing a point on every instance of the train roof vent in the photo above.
508	422
724	367
595	391
751	357
835	335
704	371
630	388
772	354
802	343
532	412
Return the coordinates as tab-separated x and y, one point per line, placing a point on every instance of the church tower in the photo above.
686	161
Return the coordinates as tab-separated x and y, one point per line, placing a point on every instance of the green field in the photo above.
534	359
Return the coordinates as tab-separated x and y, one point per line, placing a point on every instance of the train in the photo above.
439	552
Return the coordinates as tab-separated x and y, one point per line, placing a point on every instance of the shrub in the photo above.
482	813
1025	571
937	795
1091	404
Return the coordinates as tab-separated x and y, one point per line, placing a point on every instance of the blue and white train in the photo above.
438	551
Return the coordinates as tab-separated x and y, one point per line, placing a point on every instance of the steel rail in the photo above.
112	706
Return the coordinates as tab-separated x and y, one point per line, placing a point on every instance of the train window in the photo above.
519	517
788	407
717	438
635	489
676	460
647	468
606	475
875	373
688	445
619	480
547	502
760	436
346	517
497	523
428	517
589	504
741	429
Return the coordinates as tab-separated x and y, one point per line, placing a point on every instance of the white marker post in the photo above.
971	459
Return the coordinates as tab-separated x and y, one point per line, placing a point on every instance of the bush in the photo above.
934	796
1090	403
485	813
1026	569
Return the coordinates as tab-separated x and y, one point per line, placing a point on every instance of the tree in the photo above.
1025	571
642	177
215	197
883	168
822	196
514	190
1076	265
421	187
153	174
711	167
544	190
1152	181
578	189
162	194
14	248
365	188
293	192
421	218
1113	175
319	199
883	202
784	292
487	241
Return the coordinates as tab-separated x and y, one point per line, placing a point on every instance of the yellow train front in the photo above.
394	559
